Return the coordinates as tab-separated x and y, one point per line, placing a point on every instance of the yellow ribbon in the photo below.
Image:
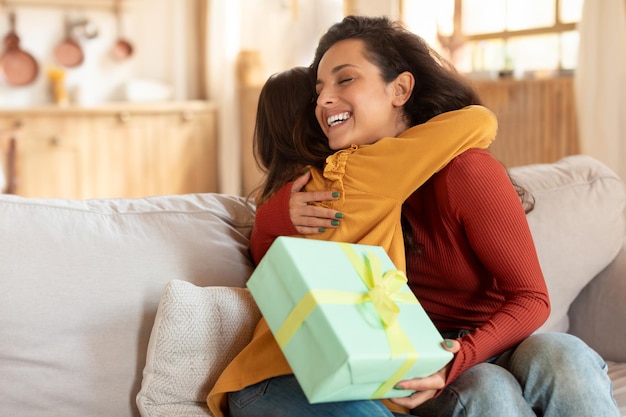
383	292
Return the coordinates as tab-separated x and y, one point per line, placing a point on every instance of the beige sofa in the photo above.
128	307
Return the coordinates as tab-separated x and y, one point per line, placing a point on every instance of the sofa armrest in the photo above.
599	312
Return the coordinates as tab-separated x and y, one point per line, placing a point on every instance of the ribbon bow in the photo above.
383	288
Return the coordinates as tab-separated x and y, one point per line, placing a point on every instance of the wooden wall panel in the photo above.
536	118
251	173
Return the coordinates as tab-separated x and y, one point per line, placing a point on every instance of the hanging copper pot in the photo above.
122	49
69	52
17	67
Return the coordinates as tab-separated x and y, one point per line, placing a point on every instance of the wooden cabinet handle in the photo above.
10	166
124	116
187	116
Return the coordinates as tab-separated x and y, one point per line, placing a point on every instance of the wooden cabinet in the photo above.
120	150
48	147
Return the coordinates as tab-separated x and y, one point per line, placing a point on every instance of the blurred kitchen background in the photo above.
126	98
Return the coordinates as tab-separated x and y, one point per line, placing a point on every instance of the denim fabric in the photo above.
547	375
283	397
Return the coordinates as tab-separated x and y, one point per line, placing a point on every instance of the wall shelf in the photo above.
64	4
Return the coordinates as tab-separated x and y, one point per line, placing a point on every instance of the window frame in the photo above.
458	39
558	27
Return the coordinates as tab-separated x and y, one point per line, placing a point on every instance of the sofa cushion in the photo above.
197	332
599	307
577	225
81	282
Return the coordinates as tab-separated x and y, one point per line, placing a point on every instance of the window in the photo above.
502	36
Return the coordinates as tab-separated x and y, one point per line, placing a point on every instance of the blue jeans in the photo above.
547	375
282	397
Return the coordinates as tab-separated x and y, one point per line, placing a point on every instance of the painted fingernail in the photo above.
335	194
339	215
397	387
334	222
321	230
449	343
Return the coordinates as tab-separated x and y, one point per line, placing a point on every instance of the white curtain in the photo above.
601	82
223	44
283	33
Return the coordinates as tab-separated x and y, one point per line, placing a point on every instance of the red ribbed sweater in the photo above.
479	268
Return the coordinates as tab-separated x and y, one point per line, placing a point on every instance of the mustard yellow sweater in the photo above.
373	181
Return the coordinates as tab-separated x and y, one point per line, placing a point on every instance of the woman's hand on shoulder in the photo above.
308	218
426	388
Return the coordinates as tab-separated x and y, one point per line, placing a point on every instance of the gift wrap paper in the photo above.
345	319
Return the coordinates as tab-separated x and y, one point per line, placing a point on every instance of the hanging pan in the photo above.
122	49
69	53
17	67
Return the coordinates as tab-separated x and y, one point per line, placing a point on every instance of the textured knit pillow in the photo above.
196	333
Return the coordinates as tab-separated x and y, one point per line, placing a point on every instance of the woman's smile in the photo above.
337	119
355	106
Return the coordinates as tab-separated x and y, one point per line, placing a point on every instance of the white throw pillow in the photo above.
197	332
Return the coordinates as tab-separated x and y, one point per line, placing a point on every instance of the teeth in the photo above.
337	118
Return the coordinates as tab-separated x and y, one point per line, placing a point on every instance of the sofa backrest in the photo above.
577	225
80	282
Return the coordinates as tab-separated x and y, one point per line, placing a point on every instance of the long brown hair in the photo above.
287	137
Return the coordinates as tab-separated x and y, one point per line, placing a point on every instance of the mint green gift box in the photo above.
345	319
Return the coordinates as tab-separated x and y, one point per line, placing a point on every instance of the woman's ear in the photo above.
403	87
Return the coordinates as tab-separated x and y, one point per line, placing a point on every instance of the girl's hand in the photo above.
426	388
307	218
